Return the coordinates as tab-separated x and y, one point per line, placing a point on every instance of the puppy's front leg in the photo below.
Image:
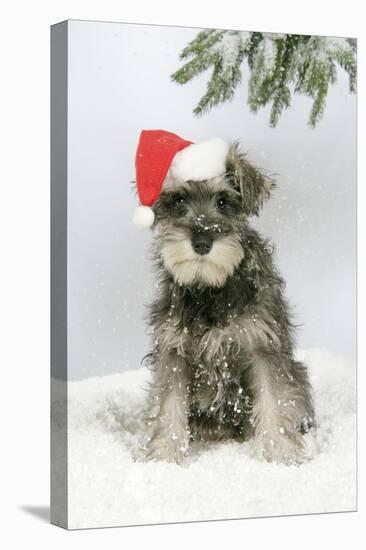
168	431
279	409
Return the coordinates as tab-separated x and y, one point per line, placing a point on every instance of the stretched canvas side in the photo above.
59	469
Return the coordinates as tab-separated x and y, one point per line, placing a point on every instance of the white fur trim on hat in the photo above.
201	161
143	217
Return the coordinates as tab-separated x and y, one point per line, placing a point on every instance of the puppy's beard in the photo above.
189	268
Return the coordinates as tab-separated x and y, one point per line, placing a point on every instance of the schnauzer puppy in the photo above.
223	364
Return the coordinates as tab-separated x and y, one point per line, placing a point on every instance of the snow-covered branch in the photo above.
279	66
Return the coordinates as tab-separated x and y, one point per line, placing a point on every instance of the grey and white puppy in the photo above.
222	364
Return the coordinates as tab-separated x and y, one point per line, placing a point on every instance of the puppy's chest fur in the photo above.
201	318
215	336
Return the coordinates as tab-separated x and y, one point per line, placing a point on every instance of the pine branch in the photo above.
225	77
203	41
279	65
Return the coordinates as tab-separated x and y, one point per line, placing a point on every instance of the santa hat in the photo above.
163	157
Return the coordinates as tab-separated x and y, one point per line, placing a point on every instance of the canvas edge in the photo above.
58	137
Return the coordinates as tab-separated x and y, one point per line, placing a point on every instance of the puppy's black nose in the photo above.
202	243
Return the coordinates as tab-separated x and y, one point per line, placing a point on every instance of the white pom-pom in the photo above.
143	217
201	161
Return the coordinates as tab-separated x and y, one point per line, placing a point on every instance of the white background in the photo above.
25	271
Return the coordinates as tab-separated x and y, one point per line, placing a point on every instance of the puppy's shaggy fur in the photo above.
222	363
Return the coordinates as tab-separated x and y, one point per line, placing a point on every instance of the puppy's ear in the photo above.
253	185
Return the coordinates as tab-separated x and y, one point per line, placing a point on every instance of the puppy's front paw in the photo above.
166	450
282	449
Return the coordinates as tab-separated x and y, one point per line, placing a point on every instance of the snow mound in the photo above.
107	487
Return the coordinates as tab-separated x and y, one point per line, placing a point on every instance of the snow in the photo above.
107	487
229	48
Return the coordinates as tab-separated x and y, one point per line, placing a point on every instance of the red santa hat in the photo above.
163	157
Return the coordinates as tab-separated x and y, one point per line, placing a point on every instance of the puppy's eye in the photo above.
221	203
179	204
179	200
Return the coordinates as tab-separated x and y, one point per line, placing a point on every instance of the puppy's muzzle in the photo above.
202	243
